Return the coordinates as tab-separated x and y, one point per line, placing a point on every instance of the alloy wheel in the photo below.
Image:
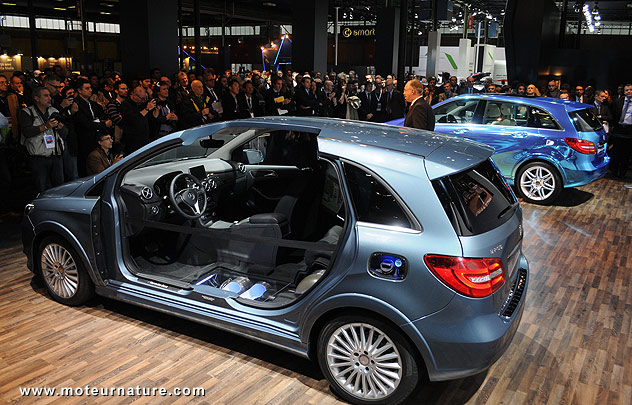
59	270
537	183
364	361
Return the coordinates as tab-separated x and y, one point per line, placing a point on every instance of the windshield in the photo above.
193	151
585	121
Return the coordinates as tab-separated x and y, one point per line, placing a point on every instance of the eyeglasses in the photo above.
106	138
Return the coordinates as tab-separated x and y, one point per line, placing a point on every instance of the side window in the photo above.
283	148
540	119
456	112
372	201
500	113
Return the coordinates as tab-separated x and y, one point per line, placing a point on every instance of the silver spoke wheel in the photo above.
537	183
364	361
59	270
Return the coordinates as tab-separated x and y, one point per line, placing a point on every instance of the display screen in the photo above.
199	172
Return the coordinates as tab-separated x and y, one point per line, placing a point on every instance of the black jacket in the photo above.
272	106
395	105
191	112
255	106
306	102
366	101
420	116
135	125
232	110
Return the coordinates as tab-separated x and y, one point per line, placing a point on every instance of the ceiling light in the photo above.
268	4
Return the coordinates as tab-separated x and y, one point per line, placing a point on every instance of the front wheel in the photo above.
367	361
63	272
539	183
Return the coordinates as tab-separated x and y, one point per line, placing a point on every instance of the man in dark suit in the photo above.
601	109
278	102
327	100
249	105
395	103
305	99
366	101
420	114
468	88
622	133
89	121
230	103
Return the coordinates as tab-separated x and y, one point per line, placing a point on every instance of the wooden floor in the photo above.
574	344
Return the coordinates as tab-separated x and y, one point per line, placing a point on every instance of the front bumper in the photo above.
28	235
469	335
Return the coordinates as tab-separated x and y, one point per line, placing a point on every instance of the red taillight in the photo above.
472	277
581	146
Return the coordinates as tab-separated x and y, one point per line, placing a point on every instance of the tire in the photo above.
354	374
539	183
63	272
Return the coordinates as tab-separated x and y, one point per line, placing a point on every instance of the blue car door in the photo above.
458	117
504	129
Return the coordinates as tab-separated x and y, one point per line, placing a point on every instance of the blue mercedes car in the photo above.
383	253
541	144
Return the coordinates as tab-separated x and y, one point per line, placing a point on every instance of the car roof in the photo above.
543	102
445	153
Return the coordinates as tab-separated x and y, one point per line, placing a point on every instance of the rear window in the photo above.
477	200
585	121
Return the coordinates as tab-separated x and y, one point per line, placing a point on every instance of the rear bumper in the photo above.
585	171
470	335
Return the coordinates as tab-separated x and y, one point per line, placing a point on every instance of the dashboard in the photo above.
145	190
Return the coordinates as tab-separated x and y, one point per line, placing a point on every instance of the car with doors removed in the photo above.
383	253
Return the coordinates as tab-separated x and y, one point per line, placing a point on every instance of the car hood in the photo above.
65	189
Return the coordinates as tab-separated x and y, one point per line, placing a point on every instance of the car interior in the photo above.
258	219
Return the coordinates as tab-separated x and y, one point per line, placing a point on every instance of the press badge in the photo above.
49	140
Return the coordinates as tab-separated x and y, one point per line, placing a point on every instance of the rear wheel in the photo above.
367	361
63	272
539	183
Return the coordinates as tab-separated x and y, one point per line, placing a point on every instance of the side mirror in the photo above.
253	156
211	143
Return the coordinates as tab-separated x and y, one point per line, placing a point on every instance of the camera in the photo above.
56	116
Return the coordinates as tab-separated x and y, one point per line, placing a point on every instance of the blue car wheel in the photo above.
539	183
367	361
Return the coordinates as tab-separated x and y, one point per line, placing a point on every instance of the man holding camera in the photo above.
136	113
43	136
101	157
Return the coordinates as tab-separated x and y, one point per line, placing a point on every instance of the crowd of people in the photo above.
76	125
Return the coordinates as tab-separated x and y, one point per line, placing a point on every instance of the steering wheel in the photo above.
190	202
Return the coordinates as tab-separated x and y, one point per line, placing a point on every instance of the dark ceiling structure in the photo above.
248	12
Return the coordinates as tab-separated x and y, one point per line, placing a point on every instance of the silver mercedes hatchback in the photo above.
382	253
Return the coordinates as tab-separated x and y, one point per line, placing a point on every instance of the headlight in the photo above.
28	208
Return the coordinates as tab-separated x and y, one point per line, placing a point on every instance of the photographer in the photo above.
63	101
43	136
101	157
136	113
167	119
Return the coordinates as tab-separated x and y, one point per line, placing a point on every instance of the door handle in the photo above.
461	131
